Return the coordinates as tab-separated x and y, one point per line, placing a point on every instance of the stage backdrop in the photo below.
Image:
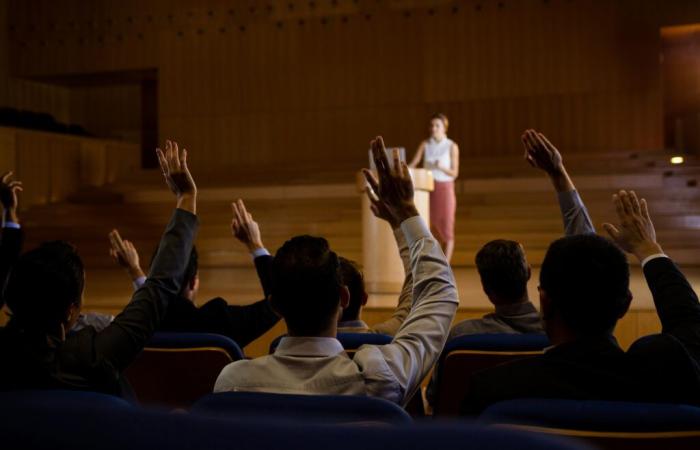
298	82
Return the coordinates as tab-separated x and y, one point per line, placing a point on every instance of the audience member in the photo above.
248	232
243	324
12	235
502	264
584	291
307	290
44	295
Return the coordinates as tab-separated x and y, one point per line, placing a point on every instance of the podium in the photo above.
382	267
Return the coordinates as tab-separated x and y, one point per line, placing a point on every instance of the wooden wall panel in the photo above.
23	94
53	166
261	82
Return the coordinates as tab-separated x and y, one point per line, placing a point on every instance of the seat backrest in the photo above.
175	369
61	400
325	409
468	354
138	429
607	424
350	341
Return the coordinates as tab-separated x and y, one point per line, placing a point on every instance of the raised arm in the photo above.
422	335
119	343
247	231
541	154
12	236
675	300
405	302
418	157
124	253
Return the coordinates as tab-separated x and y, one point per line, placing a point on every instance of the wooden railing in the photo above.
53	166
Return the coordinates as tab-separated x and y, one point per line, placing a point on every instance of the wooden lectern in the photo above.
381	263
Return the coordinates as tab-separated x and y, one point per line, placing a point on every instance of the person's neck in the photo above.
499	302
330	332
439	139
559	334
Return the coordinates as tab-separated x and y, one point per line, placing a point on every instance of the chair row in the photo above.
176	369
116	427
97	418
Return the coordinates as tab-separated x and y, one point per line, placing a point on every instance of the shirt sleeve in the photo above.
10	224
421	337
405	303
119	343
652	257
574	213
138	283
258	252
676	303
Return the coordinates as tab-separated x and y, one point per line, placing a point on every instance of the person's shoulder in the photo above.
468	327
217	302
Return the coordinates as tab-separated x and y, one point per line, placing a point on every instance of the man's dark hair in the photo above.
586	279
352	278
306	284
43	284
504	270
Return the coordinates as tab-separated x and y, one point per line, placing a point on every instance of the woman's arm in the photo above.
453	170
418	158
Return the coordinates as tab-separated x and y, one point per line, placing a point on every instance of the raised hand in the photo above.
244	228
636	232
124	253
543	155
540	153
379	208
393	187
9	189
177	175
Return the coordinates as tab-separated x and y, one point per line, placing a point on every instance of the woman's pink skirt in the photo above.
443	204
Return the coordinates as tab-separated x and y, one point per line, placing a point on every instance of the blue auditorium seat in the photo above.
327	409
60	400
467	354
175	369
136	429
350	341
607	424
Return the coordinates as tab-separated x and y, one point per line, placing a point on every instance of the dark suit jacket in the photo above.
658	368
91	360
10	248
263	265
243	324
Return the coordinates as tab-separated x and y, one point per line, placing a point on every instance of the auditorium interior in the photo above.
276	102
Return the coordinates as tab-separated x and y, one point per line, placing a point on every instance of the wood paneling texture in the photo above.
27	95
53	166
258	82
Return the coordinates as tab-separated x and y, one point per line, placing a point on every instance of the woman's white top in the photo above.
438	153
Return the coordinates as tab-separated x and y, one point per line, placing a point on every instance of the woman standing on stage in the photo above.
440	155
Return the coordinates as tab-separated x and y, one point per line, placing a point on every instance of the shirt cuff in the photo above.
414	229
139	282
258	252
654	256
10	224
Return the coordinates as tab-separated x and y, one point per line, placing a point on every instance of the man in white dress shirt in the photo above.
308	293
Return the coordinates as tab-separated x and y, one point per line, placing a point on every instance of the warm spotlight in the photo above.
677	160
